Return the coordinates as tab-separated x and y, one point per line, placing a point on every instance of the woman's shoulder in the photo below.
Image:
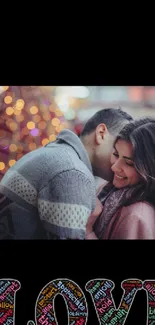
136	221
141	209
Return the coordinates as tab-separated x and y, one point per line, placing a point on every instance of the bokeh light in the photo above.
34	132
52	137
59	128
17	111
53	107
9	110
12	162
13	147
58	112
30	119
28	139
33	109
19	104
32	146
25	131
36	118
8	100
55	121
46	116
13	126
16	136
45	141
20	118
42	125
2	165
30	125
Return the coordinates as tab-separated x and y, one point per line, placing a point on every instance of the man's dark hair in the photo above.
113	118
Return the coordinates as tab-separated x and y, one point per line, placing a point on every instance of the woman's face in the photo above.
122	162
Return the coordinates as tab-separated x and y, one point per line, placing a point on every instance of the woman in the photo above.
129	203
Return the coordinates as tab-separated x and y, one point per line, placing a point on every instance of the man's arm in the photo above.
90	234
66	203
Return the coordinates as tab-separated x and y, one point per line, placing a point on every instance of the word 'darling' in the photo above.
101	294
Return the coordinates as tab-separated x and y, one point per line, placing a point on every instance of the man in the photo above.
50	192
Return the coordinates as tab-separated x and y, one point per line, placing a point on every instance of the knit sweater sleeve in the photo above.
65	204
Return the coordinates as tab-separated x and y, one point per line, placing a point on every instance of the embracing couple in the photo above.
50	193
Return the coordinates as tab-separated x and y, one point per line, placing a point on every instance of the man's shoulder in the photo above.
65	158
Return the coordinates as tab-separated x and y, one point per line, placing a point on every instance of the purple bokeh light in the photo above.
34	132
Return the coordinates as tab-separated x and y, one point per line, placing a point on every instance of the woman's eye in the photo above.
129	164
115	154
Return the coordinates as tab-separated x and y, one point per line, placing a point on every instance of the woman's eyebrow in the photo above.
129	158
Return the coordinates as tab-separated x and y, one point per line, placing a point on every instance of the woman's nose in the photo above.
116	167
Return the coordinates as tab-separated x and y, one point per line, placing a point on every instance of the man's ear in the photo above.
100	133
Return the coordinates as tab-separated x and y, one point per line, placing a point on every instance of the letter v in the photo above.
100	291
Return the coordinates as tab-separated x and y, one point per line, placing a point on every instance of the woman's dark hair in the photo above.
141	134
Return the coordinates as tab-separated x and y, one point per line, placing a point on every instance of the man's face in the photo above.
102	156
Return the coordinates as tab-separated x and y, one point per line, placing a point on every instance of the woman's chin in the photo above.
119	185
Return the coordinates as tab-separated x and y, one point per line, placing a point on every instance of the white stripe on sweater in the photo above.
21	187
64	214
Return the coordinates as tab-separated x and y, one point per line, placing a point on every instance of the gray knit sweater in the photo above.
49	193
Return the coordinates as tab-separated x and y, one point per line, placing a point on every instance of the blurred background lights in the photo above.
13	126
34	110
70	115
25	131
58	112
32	146
9	110
59	128
19	155
32	116
55	121
3	88
73	91
46	116
52	137
45	141
63	103
12	162
34	132
7	99
78	92
17	111
30	125
42	125
19	104
2	165
20	148
13	147
36	118
20	118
